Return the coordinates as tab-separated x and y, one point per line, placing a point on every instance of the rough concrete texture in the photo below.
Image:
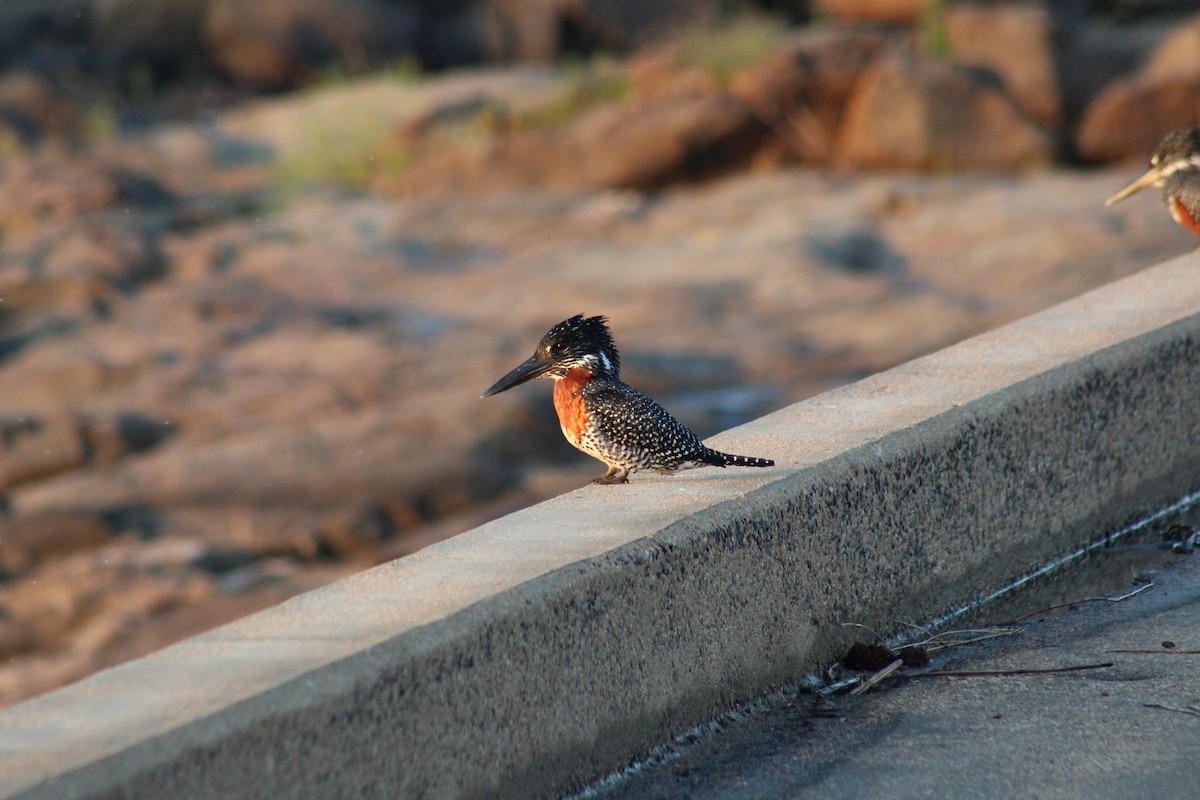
1104	733
544	648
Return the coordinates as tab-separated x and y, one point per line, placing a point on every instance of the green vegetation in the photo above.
404	70
588	87
100	123
339	149
731	45
931	28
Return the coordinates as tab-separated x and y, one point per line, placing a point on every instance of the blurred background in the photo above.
259	260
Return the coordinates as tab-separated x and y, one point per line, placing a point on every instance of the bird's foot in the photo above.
614	475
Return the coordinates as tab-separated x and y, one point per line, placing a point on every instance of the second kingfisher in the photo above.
1175	166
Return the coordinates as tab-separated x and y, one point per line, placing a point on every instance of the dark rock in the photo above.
112	436
863	657
158	38
277	44
545	30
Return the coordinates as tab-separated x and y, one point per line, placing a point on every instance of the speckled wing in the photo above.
639	431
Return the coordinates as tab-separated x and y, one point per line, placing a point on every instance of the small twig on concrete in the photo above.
1057	606
1001	673
1160	652
877	677
1192	710
938	641
872	631
838	686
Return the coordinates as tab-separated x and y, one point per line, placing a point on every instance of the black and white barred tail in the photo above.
719	459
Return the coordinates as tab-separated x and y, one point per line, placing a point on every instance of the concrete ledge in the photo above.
549	646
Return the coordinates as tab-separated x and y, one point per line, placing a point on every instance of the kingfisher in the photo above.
1175	166
605	417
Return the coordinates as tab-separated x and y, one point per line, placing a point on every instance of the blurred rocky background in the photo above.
258	260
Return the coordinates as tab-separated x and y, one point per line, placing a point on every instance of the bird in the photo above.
604	416
1175	166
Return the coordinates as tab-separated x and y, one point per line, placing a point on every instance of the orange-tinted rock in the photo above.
35	447
1016	41
914	112
895	11
277	44
800	92
1128	118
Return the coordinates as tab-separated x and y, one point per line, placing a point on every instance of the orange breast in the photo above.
568	402
1183	216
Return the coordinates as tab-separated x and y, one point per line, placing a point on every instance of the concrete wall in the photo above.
549	646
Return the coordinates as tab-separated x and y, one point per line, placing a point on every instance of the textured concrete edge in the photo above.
562	678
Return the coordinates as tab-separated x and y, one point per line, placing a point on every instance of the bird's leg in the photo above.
614	475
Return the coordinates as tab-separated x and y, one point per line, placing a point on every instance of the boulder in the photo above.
163	35
682	128
891	11
1130	116
800	92
913	112
37	446
32	539
1016	41
649	145
33	108
277	44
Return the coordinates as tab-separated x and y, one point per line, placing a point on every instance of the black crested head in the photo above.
1178	146
577	342
1176	157
581	342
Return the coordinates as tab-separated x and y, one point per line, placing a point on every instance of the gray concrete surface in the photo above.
1053	736
538	651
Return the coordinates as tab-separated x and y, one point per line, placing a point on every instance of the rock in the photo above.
801	91
33	539
1178	53
35	447
1097	51
37	188
914	112
524	30
647	145
277	44
162	35
679	127
1016	41
111	436
1130	116
546	30
32	107
893	11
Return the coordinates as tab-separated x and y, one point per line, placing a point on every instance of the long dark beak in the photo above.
1147	178
531	368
